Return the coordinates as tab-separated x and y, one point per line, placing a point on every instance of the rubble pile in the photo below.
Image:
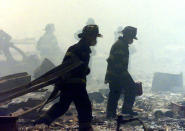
96	96
158	113
12	107
155	111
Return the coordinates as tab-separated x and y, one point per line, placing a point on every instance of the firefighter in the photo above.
48	46
117	75
73	89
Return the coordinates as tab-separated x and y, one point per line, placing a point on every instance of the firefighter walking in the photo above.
117	75
73	88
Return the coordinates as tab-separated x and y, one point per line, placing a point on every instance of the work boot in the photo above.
130	112
43	120
85	126
86	129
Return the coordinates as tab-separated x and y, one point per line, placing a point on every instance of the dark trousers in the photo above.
117	87
76	93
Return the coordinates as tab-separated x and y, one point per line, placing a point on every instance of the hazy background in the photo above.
160	23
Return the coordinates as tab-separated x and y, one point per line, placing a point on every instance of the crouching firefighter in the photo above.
73	86
118	77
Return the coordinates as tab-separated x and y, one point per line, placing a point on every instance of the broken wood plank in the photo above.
17	113
49	75
11	96
43	81
14	76
14	82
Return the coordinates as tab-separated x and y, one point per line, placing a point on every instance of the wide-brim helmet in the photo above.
90	30
130	31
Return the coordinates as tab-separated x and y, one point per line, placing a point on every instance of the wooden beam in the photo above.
43	81
14	76
10	84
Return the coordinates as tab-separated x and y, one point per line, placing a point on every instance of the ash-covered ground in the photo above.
155	111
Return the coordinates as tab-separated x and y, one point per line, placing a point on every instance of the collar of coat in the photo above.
123	42
84	45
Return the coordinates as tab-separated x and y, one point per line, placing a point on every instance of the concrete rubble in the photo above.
157	112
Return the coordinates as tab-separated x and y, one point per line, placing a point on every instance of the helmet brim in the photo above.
99	35
123	34
82	35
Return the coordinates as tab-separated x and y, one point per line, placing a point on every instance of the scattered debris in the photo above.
178	109
148	104
157	111
96	96
104	92
158	114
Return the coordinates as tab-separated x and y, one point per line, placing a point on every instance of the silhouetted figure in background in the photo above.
48	45
73	88
6	44
117	74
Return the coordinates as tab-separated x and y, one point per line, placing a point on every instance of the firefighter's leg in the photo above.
84	108
56	110
113	98
129	99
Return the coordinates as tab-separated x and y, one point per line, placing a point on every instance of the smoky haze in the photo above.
160	46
